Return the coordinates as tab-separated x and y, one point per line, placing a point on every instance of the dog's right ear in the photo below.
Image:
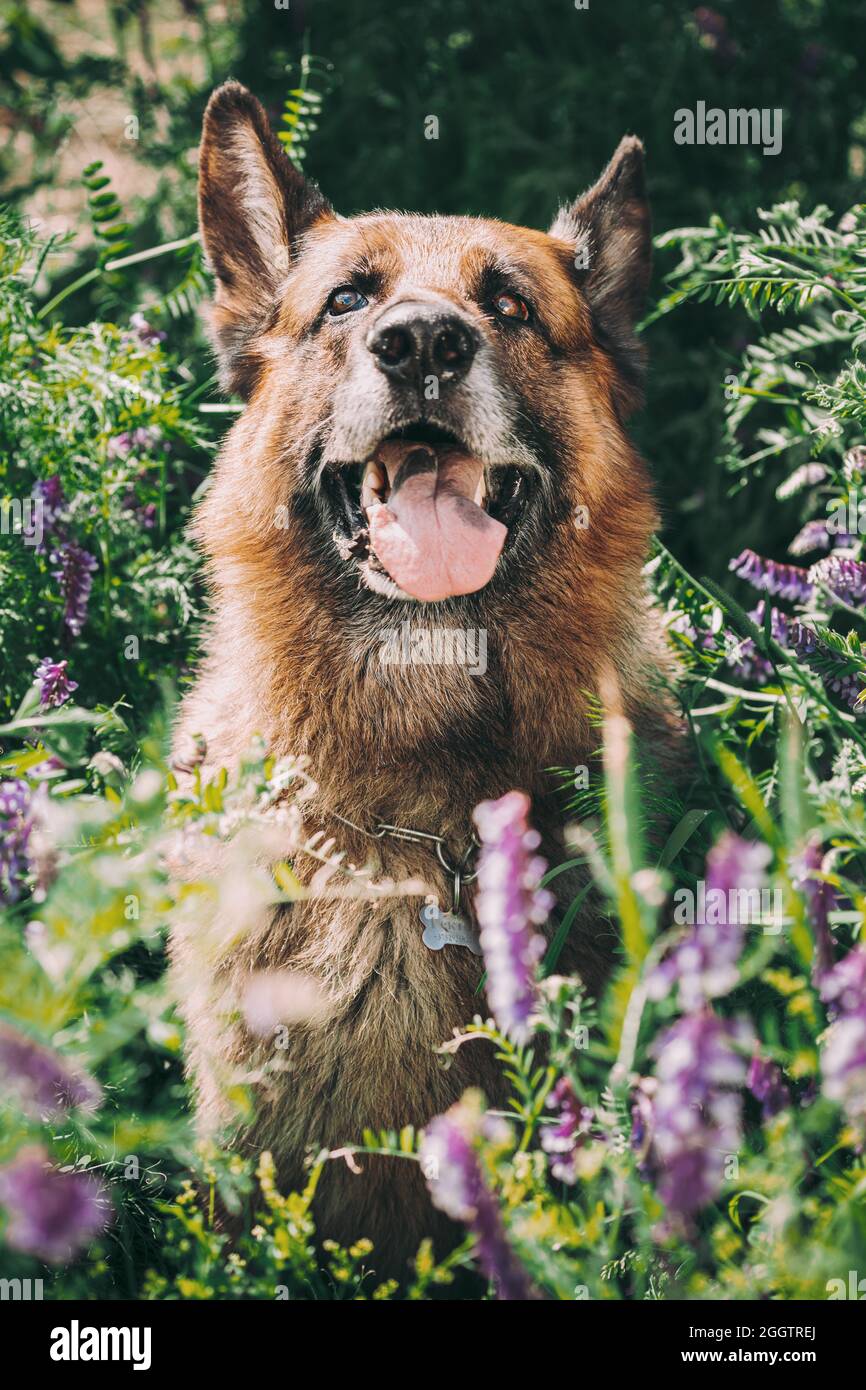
253	205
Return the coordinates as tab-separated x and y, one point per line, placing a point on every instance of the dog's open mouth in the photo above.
427	513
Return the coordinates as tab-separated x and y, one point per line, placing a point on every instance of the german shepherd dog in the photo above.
434	407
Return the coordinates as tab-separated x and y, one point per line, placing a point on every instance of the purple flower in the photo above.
16	824
745	658
509	903
40	1080
828	664
779	622
813	536
76	565
138	441
145	332
697	1109
845	578
854	463
450	1162
144	513
772	577
50	1214
821	898
55	687
563	1140
843	988
746	662
704	964
76	580
48	493
683	625
766	1085
843	1059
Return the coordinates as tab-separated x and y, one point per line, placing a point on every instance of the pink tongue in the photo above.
433	540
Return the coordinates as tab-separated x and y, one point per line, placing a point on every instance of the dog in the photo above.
433	439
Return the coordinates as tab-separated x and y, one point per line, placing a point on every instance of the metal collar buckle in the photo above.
403	832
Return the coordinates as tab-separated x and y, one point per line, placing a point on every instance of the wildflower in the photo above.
76	580
843	1059
449	1159
40	1080
745	661
813	536
16	824
144	331
696	1110
772	577
854	463
50	1213
684	627
563	1140
55	687
138	441
843	988
48	493
807	475
827	663
765	1082
743	655
144	513
821	899
779	621
509	903
845	578
704	964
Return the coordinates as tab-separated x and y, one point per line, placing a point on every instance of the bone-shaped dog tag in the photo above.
448	929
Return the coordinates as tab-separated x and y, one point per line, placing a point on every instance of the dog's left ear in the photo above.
254	205
609	227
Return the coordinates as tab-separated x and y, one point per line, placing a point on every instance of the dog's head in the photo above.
438	390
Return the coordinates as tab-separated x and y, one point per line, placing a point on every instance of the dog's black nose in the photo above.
413	341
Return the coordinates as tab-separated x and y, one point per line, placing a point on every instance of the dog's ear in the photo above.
610	230
253	206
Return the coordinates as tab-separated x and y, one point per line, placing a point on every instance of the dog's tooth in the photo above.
373	484
481	491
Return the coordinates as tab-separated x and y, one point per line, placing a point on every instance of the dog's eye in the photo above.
511	306
345	300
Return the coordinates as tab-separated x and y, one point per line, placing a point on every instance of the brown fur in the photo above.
292	645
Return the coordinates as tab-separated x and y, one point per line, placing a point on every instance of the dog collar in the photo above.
440	928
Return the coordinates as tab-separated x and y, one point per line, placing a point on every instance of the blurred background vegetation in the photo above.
531	99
